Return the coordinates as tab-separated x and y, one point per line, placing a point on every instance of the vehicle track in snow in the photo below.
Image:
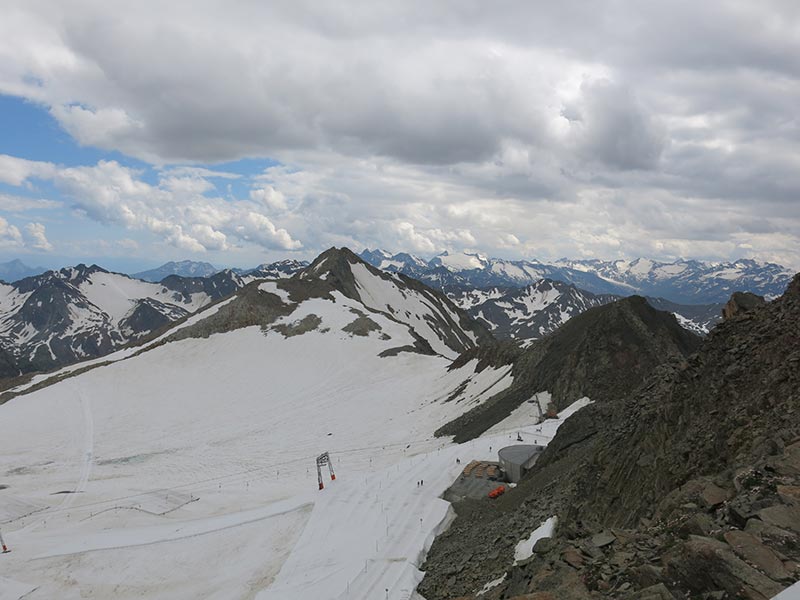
88	448
146	536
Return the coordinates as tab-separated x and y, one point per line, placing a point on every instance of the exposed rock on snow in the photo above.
79	313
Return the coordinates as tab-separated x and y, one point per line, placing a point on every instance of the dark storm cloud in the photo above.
613	129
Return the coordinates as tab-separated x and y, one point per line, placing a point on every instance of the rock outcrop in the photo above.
604	353
741	302
696	476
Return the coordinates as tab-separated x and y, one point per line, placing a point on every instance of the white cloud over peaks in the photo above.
179	210
270	197
36	233
663	127
10	237
416	241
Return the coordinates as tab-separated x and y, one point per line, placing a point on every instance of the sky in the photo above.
242	132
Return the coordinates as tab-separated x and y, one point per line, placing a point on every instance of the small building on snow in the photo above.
518	459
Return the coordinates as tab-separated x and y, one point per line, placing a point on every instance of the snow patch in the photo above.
524	549
272	288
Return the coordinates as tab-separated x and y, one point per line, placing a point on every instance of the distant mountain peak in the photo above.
15	269
183	268
683	281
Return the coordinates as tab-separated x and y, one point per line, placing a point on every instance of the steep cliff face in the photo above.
734	402
689	486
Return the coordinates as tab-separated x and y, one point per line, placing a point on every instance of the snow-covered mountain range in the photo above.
77	313
200	444
275	270
81	312
189	268
690	281
530	312
682	281
183	268
84	312
538	309
200	441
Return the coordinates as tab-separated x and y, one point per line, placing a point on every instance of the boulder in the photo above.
749	548
698	524
789	494
769	533
604	538
704	565
712	495
543	545
573	558
654	592
741	302
783	516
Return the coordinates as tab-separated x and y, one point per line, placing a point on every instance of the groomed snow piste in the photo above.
188	471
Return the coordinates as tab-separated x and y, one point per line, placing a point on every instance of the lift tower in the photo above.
324	459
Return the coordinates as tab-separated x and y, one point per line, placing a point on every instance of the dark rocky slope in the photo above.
603	353
688	488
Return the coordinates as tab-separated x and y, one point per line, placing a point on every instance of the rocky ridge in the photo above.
687	488
603	353
435	324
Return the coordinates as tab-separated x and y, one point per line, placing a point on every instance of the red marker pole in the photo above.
3	544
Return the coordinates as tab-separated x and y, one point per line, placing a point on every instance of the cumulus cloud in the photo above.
38	238
177	210
15	171
270	197
101	127
10	237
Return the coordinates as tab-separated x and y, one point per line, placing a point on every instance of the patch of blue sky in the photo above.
28	130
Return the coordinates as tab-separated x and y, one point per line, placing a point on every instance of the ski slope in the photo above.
188	471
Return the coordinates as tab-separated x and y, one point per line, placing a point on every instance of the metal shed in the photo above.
518	459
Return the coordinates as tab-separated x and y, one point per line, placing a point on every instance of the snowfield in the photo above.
188	471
